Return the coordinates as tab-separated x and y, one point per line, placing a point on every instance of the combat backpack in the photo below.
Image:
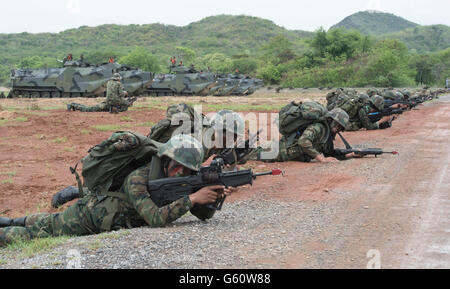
164	129
351	105
105	167
296	116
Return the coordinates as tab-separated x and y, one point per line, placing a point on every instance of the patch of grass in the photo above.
113	235
30	248
126	118
86	131
71	149
60	140
3	261
39	113
111	127
95	245
10	173
146	124
42	207
21	119
7	181
18	119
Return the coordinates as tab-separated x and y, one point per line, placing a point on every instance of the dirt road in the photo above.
388	212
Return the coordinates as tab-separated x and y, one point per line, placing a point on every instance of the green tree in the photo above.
218	62
97	56
387	65
186	55
143	59
31	62
278	50
4	74
244	63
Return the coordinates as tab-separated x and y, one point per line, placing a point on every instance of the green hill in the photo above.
374	23
223	33
422	39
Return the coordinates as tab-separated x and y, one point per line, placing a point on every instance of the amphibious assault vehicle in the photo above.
182	80
76	79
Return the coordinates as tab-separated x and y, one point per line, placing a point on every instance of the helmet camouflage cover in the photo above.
340	116
377	101
228	120
185	150
116	76
372	91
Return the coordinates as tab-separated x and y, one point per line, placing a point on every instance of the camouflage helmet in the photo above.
406	93
237	125
372	91
398	94
185	150
377	101
340	116
116	76
363	97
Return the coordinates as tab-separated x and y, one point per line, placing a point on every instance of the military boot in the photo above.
5	222
68	194
72	106
17	222
114	110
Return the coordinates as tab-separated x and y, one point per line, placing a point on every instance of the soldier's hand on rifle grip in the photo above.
323	159
353	155
207	195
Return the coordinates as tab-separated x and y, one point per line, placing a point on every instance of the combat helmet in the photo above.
372	91
185	150
363	97
398	94
236	126
406	93
340	116
116	76
377	101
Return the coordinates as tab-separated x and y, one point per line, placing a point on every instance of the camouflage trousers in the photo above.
117	102
96	108
285	153
354	126
90	215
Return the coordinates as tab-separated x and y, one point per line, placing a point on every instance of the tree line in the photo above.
334	58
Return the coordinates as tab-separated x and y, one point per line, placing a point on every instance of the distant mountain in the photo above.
422	39
374	23
223	33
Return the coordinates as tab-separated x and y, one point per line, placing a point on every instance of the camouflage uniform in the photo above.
114	98
96	108
362	120
316	139
131	207
115	93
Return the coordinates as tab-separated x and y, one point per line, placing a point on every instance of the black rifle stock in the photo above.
364	152
167	190
242	151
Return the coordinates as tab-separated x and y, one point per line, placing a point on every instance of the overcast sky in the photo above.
57	15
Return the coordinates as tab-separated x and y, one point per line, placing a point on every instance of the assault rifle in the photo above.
370	151
131	100
376	116
167	190
242	151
